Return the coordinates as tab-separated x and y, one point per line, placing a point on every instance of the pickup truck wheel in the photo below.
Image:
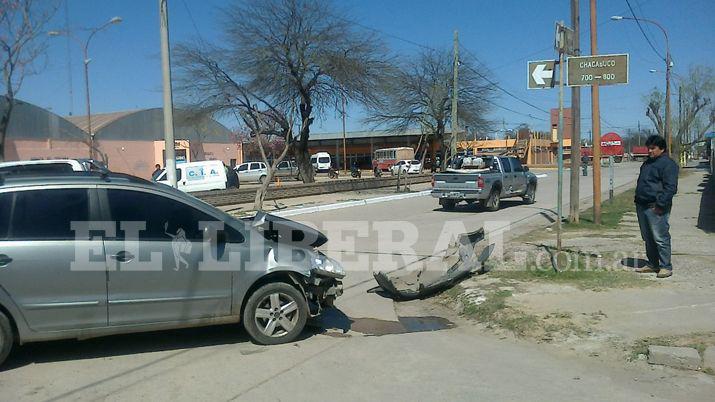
7	338
275	313
530	195
448	205
492	203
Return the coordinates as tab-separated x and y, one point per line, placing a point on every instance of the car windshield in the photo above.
324	159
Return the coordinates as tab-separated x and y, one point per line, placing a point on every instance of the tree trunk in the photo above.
4	125
263	190
300	150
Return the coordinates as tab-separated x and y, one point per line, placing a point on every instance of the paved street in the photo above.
457	362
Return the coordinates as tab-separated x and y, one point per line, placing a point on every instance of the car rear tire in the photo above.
491	204
275	313
530	196
7	338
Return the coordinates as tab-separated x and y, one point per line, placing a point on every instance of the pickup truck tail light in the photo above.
480	182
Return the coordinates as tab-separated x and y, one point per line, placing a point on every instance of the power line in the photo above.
514	111
643	32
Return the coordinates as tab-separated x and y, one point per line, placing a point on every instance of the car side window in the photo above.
48	214
255	166
505	164
243	167
283	165
5	210
516	165
165	218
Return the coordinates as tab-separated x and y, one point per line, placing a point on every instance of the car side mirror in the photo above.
526	168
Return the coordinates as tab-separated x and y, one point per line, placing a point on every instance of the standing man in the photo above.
157	171
657	184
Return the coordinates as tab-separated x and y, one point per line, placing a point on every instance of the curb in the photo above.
349	204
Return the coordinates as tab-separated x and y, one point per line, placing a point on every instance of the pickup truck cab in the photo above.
486	180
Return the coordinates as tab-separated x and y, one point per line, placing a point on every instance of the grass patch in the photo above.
612	212
584	272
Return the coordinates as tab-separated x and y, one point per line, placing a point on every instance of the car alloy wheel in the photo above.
277	315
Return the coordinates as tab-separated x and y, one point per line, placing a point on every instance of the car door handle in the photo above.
4	260
123	256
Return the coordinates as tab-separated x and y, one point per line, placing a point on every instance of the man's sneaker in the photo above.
664	273
646	270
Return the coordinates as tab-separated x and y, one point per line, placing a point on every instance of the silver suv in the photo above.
93	254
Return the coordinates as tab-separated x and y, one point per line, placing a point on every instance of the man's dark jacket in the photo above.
657	182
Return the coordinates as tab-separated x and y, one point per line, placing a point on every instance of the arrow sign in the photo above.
541	74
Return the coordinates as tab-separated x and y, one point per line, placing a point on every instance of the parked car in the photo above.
321	162
197	176
144	268
287	169
406	167
252	172
485	179
51	166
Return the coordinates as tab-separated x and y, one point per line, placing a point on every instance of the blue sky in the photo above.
126	68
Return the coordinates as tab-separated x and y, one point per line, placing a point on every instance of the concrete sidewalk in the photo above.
608	321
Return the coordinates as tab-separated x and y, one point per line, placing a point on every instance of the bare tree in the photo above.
419	93
696	92
208	82
22	43
302	52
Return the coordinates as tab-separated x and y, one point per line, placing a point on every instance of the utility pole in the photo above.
574	213
169	152
639	133
596	121
345	158
560	161
455	92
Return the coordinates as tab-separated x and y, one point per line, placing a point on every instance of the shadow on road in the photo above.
120	345
475	207
634	262
706	216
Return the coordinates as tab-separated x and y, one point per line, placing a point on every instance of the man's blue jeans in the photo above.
655	231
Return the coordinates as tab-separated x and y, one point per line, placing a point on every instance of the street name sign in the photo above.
602	69
541	74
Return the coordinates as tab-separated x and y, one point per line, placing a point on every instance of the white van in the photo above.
197	176
321	161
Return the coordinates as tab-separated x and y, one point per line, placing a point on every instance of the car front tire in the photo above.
275	313
7	338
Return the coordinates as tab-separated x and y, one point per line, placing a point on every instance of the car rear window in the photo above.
37	168
323	159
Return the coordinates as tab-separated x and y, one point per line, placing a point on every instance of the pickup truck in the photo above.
486	180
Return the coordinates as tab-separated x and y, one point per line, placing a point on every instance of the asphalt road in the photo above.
374	360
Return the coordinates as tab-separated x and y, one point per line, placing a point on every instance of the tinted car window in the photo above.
516	165
255	166
283	165
164	216
47	214
5	210
243	167
323	159
505	164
